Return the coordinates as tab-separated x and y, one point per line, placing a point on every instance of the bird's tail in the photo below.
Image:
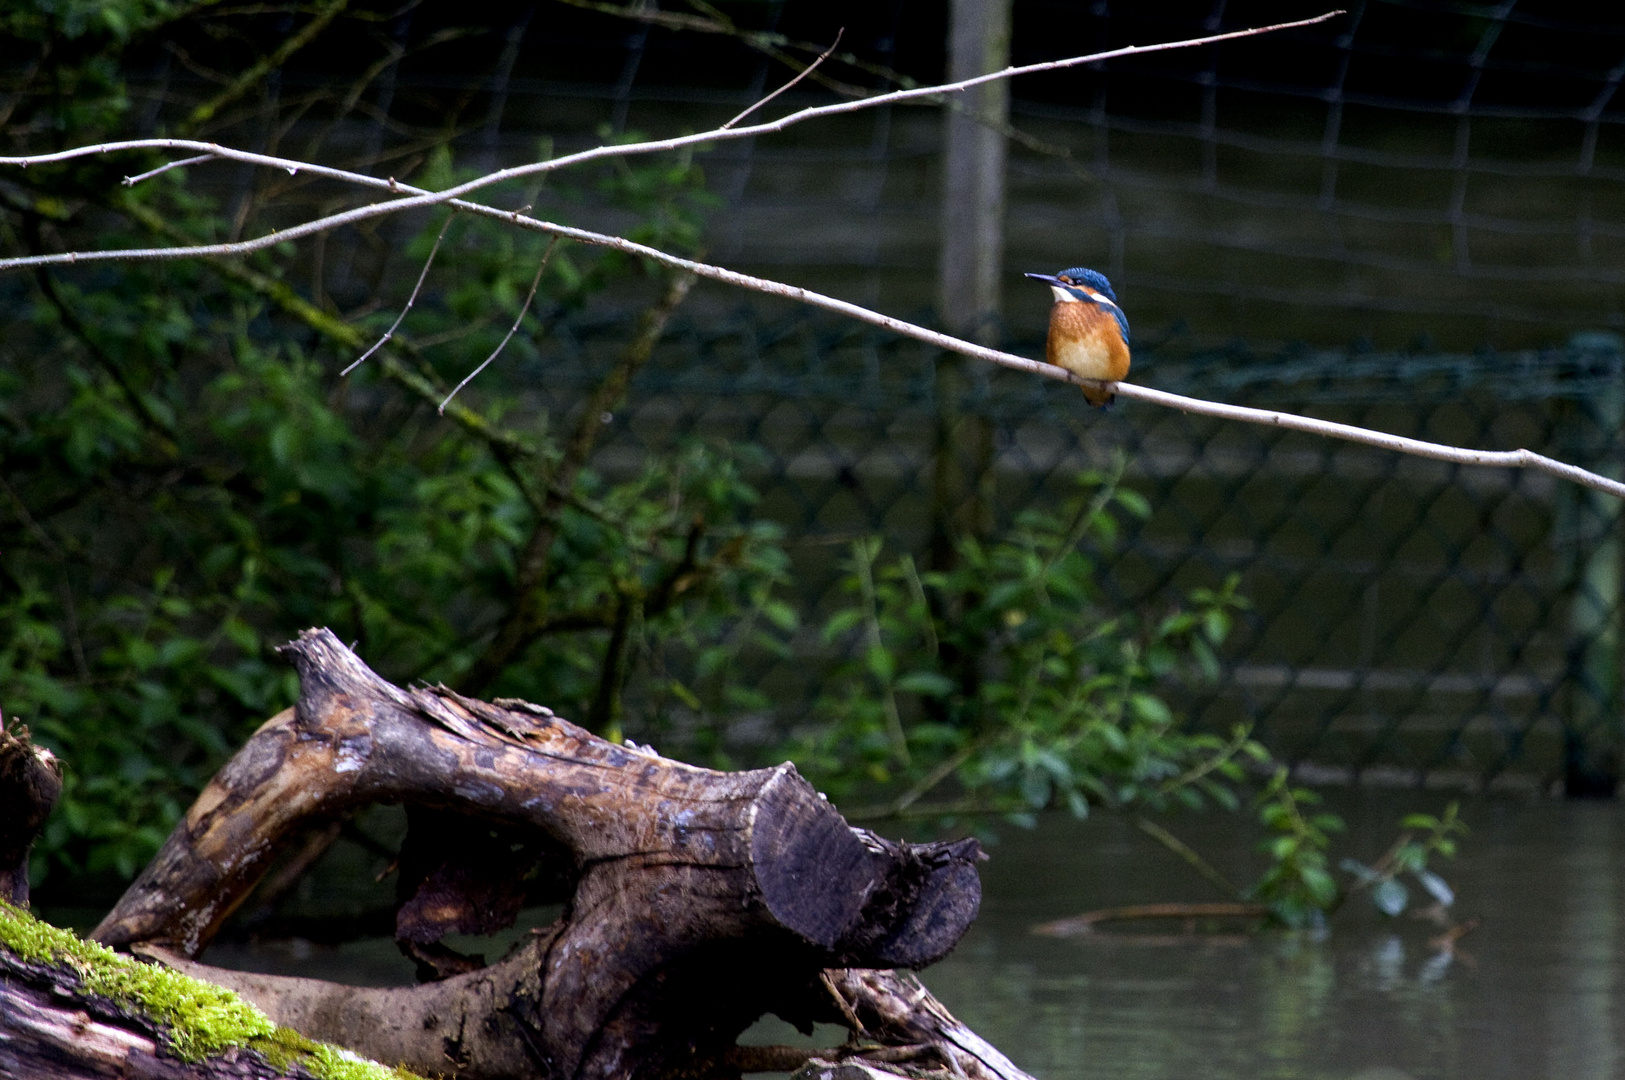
1099	396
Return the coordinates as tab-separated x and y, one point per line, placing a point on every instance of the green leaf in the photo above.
1133	502
685	695
927	683
842	622
781	615
881	663
1322	888
1151	709
1362	873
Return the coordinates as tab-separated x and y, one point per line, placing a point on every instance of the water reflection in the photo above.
1532	992
1583	1012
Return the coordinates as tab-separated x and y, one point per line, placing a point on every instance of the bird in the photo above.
1088	332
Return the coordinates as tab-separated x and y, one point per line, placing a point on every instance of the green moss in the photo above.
200	1019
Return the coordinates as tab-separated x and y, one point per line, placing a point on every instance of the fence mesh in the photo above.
1329	223
1411	218
1449	174
1413	622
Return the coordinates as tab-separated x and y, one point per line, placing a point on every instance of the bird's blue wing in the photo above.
1122	321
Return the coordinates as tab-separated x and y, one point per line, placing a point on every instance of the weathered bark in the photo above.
696	900
51	1030
30	781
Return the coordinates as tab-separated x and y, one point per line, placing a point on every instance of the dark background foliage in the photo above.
188	480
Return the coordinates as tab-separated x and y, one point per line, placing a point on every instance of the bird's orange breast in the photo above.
1084	339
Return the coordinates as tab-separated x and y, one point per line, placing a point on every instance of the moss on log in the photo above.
71	1008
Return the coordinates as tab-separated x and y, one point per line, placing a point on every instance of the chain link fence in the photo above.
1412	218
1413	622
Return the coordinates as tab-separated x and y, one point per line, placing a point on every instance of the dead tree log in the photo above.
695	900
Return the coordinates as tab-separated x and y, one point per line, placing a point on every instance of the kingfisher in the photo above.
1088	332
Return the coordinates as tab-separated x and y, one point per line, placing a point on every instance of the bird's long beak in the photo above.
1049	278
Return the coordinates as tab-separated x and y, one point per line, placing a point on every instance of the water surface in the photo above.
1534	992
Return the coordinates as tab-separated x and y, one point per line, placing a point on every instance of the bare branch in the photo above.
451	194
417	197
535	281
1503	459
808	70
132	181
410	300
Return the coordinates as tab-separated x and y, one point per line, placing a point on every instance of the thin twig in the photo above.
1086	514
523	308
945	768
808	70
916	591
410	300
1201	769
421	198
132	181
767	44
1187	853
528	611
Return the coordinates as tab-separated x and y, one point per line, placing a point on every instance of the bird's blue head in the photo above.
1087	285
1079	278
1094	279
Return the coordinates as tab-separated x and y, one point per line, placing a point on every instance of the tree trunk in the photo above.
695	901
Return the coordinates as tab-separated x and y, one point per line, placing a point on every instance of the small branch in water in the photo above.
1083	924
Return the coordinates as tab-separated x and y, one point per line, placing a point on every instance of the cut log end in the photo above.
869	902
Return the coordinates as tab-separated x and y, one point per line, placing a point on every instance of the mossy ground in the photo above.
200	1020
